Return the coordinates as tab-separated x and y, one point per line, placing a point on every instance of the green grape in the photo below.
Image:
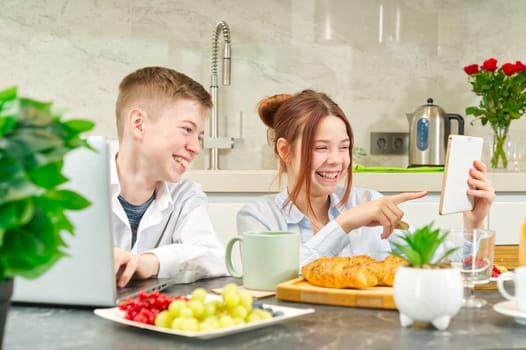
235	308
163	319
225	321
238	321
230	287
197	307
205	326
220	306
199	294
209	323
238	311
210	309
253	316
190	324
263	314
212	319
177	323
231	298
176	306
186	312
246	301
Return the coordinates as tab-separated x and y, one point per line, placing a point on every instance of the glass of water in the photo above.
474	259
517	160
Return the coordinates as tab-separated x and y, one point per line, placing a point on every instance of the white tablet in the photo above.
461	152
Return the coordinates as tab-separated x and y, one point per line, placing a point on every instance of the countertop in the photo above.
261	181
330	327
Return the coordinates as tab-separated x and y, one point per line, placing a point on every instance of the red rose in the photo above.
489	65
509	69
520	67
471	69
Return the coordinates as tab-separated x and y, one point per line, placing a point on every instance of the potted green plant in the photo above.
33	143
429	289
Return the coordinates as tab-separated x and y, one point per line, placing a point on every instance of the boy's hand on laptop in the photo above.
128	266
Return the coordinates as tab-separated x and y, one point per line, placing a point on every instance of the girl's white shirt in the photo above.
271	213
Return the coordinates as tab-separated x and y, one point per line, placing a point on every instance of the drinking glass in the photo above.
474	259
517	155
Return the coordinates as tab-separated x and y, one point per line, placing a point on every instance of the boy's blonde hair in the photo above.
150	88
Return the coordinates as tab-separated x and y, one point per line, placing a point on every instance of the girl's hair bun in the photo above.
268	107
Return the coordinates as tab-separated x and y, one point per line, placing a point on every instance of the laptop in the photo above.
85	277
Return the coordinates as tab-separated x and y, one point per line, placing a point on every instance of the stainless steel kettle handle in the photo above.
459	120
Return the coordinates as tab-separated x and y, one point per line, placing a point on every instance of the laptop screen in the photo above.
85	277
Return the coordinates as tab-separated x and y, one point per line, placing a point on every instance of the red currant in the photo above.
145	307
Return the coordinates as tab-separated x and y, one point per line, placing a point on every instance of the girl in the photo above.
314	141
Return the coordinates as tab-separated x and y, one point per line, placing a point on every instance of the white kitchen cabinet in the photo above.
506	217
223	216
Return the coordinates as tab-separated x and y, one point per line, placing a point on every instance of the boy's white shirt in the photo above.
176	228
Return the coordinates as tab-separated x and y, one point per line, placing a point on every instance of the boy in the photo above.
161	223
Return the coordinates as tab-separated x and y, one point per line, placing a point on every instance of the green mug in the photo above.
268	258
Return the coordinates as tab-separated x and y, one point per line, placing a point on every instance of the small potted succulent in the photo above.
429	289
33	143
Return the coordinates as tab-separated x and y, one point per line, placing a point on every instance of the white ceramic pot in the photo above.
428	295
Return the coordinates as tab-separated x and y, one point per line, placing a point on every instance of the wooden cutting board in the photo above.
302	291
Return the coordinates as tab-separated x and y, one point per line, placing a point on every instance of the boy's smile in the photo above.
182	161
172	139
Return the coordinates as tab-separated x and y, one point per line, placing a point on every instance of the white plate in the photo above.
508	308
116	315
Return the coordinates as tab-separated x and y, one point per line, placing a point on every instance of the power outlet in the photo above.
389	143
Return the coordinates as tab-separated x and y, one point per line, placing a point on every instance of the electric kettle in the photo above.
429	129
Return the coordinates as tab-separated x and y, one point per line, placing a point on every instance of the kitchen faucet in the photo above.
214	143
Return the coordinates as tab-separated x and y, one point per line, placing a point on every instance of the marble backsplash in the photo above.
377	59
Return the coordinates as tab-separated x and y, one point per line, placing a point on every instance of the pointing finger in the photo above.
407	196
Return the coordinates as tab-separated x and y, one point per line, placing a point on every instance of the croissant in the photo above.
359	271
387	269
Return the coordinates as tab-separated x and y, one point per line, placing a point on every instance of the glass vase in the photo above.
499	147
